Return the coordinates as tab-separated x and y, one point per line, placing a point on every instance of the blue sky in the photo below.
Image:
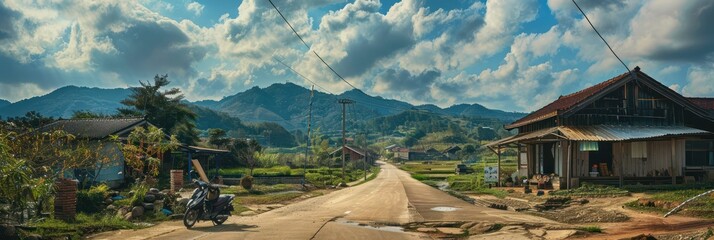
513	55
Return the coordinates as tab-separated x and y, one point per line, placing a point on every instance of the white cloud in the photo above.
700	82
195	7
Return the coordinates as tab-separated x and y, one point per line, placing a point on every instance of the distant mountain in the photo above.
287	104
66	100
473	110
282	103
4	102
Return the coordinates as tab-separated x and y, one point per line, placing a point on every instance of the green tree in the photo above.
31	119
320	147
162	108
246	151
144	150
217	137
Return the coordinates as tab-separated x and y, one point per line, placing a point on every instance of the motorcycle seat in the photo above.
222	200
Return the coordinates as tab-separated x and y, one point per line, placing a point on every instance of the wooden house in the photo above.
354	153
451	152
114	172
627	130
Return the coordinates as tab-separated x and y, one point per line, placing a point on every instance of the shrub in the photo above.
591	229
90	202
247	182
139	190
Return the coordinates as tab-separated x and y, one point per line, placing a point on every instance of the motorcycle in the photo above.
207	203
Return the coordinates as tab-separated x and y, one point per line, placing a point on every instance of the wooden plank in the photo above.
199	169
671	168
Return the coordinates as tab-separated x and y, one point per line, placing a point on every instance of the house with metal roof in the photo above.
356	154
630	129
114	173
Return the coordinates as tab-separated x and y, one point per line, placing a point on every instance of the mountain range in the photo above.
282	103
4	102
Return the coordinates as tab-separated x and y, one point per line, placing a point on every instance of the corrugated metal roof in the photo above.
524	136
622	133
603	133
93	128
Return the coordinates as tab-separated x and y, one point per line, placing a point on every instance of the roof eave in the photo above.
538	119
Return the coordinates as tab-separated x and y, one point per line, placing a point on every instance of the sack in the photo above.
212	194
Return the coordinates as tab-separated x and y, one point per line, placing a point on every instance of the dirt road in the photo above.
390	199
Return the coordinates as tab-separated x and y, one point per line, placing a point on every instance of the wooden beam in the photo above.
499	167
673	156
622	164
569	164
199	169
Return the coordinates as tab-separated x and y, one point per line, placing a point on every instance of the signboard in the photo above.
490	174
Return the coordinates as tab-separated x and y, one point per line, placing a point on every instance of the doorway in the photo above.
548	158
602	158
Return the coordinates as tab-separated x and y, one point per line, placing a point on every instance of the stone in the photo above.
158	204
122	211
427	230
154	190
148	206
468	225
480	228
113	193
538	232
111	208
160	196
137	211
149	198
128	216
8	232
108	201
450	230
559	234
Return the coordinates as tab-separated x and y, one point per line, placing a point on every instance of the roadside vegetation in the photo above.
662	201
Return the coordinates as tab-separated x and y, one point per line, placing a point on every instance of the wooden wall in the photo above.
581	162
659	158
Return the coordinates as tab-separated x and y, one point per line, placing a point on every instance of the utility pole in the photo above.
344	102
307	143
366	156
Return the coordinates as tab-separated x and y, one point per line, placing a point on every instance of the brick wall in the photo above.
66	199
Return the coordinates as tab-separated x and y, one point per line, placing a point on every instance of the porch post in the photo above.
499	166
189	163
569	167
622	164
671	168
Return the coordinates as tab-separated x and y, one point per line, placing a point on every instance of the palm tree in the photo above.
165	109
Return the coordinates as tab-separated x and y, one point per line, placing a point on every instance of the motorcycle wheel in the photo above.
190	218
219	221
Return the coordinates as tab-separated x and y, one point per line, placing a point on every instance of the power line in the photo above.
603	39
308	46
289	25
302	76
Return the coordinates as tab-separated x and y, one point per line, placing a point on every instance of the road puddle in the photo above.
362	225
444	209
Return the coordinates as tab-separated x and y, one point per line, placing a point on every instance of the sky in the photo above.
514	55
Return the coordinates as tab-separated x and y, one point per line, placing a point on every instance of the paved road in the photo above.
392	198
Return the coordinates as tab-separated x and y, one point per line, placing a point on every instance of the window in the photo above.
699	153
588	146
639	149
